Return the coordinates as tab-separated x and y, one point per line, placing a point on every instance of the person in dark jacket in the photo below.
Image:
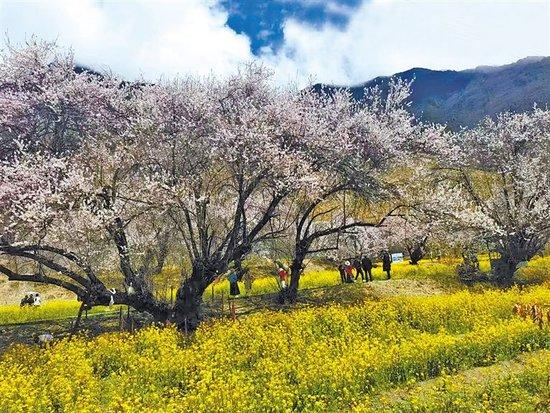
367	267
386	263
342	271
233	284
358	269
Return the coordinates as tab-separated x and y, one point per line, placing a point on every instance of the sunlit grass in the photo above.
536	271
56	309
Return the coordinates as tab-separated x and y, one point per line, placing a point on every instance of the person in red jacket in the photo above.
348	268
283	276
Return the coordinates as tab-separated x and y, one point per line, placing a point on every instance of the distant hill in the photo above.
462	98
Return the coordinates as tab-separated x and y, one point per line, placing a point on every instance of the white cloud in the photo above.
149	38
388	36
382	37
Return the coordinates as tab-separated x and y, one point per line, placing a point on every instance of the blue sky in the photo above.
333	41
263	21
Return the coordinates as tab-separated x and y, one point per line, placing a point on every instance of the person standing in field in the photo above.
233	284
358	269
386	263
342	271
367	267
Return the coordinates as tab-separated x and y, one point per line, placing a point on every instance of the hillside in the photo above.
462	98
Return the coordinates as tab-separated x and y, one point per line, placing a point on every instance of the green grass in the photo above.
514	386
441	272
269	284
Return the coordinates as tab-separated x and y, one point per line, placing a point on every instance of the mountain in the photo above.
463	98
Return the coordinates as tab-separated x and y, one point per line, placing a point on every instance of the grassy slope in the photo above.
518	385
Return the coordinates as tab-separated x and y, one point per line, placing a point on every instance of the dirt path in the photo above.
11	292
406	286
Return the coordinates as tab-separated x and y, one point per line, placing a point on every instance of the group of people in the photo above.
32	299
362	266
282	275
350	270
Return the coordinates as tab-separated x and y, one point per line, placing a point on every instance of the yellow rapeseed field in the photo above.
329	359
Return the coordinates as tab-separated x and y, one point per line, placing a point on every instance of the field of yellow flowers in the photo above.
328	359
51	310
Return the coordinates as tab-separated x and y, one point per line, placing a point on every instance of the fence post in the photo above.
233	312
128	317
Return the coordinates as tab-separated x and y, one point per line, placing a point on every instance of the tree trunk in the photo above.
187	313
513	251
503	270
416	251
141	302
416	255
159	310
296	269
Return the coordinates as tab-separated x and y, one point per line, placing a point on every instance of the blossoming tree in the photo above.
363	143
493	180
69	181
100	173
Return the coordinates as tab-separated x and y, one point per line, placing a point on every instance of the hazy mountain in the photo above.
462	98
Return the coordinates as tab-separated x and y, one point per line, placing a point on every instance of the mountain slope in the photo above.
462	98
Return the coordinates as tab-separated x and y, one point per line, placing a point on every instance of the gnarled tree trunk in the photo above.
296	268
187	311
513	251
417	251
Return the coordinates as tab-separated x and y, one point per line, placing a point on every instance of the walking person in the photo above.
283	276
367	267
386	263
358	269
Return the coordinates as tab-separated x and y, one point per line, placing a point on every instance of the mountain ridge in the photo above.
463	98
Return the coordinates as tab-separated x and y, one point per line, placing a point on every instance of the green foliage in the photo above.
520	387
